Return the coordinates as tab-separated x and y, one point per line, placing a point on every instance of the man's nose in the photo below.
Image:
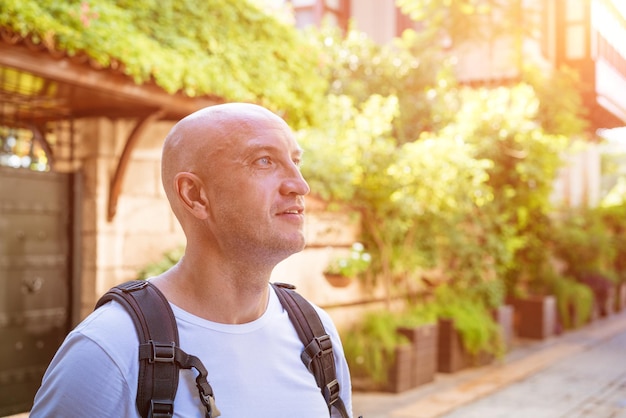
295	183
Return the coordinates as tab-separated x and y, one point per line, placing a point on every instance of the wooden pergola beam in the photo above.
67	70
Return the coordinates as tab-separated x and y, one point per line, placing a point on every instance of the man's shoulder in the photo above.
93	369
324	316
109	326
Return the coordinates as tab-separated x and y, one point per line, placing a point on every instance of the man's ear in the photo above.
191	194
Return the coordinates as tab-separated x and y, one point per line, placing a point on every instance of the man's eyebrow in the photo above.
262	147
254	148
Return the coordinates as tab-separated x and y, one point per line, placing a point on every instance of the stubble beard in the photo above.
261	246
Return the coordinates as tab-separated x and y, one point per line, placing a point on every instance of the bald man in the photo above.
230	173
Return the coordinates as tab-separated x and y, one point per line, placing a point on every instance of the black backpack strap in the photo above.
318	354
160	357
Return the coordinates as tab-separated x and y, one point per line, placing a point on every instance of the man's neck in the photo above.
214	295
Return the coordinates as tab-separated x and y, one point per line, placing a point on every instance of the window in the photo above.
313	12
19	148
576	14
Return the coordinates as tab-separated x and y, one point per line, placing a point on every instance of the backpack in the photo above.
161	358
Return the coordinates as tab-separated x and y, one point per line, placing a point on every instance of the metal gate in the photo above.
35	279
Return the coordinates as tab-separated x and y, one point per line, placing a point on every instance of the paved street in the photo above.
579	374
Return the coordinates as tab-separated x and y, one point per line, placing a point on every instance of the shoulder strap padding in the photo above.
160	357
318	353
158	372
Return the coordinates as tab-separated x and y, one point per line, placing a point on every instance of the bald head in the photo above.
195	141
231	174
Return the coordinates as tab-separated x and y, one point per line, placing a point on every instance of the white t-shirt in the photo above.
254	369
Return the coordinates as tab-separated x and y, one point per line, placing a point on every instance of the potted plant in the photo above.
342	270
468	335
614	220
379	357
575	302
584	242
419	325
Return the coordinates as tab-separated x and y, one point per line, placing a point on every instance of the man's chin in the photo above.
297	246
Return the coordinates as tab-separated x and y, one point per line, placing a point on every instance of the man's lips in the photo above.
292	210
293	213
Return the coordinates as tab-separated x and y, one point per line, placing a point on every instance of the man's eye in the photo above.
264	161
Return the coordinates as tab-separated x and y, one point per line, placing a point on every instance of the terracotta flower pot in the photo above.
337	280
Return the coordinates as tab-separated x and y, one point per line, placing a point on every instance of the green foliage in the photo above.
420	212
418	314
461	21
370	346
561	109
443	194
502	124
408	68
583	240
614	220
512	141
229	49
469	190
168	260
478	330
353	265
350	145
574	301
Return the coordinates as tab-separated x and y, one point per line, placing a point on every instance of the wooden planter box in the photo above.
535	317
575	317
504	317
620	297
424	352
604	293
451	354
607	304
400	376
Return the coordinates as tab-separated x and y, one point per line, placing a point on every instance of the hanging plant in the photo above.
342	270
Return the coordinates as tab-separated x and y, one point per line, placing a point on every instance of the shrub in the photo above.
370	346
574	302
168	260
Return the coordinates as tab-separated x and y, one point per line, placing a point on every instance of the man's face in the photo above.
257	191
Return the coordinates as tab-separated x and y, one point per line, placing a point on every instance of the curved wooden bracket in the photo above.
122	165
38	135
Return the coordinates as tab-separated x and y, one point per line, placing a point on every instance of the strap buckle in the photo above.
331	392
133	285
162	353
318	347
161	408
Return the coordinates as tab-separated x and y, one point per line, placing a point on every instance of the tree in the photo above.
460	21
408	68
442	175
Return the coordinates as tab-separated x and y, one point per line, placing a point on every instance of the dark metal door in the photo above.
35	280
